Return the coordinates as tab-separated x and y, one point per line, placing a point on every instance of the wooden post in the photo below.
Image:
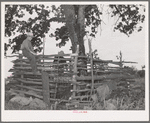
75	71
121	60
45	85
22	76
57	77
91	60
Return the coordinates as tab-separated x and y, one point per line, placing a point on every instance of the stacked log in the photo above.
48	84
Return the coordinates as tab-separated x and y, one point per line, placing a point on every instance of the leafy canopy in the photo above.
129	19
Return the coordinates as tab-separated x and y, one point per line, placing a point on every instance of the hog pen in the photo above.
63	82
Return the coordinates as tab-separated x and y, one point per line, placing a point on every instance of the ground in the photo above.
134	99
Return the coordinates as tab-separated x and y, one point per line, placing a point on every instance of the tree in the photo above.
76	19
13	23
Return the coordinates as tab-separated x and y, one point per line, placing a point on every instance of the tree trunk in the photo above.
76	26
81	28
69	13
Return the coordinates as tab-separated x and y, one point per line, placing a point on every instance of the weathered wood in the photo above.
57	74
102	61
62	59
75	69
26	61
47	64
16	69
114	67
118	63
69	73
68	59
39	83
60	64
40	64
26	73
96	60
79	68
94	69
37	80
101	77
98	71
61	86
12	70
59	82
34	82
33	89
29	82
120	57
28	68
13	81
22	76
95	84
22	63
29	88
53	55
91	61
80	97
129	62
79	91
78	83
45	85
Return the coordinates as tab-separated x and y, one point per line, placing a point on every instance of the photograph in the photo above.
75	61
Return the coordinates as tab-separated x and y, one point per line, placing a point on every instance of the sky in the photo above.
107	42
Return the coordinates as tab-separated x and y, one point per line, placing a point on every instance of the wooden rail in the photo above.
60	76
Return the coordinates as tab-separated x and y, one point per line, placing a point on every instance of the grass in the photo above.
133	99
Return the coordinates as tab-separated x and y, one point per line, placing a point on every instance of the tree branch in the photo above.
117	10
121	16
54	19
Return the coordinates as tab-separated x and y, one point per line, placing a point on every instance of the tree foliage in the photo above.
38	25
129	17
92	18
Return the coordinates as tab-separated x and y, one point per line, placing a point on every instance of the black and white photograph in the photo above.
75	61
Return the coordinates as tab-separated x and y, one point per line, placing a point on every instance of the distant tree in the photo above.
143	67
76	19
141	73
